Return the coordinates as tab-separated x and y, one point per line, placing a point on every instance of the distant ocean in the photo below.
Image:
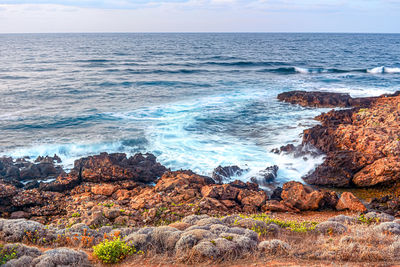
194	100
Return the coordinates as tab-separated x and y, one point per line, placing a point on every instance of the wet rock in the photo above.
266	176
323	99
115	167
348	201
63	183
221	174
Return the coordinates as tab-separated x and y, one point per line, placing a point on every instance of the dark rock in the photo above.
116	167
221	174
276	194
316	99
266	176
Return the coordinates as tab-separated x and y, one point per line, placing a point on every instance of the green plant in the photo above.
365	220
76	215
113	251
7	254
294	226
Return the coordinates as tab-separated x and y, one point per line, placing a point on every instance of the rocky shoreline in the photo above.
361	144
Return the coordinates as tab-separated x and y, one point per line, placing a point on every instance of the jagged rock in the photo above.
266	176
348	201
301	197
221	174
115	167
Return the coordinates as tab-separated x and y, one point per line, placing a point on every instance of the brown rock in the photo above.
104	189
252	198
274	205
116	167
19	215
348	201
381	171
300	196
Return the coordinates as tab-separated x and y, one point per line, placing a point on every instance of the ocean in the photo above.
196	101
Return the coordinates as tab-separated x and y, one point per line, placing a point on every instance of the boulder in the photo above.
301	197
348	201
103	189
266	176
221	174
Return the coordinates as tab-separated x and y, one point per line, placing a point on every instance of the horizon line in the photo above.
197	32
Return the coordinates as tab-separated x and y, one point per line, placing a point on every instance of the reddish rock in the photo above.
171	180
252	198
381	171
180	225
223	192
103	189
348	201
277	206
7	190
316	99
302	197
115	167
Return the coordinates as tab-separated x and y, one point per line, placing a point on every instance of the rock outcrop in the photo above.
361	144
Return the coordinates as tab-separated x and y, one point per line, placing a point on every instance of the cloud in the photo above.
199	16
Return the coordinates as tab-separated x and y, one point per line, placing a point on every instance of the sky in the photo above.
375	16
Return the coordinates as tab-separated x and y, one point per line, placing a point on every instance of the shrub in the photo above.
7	254
76	215
113	251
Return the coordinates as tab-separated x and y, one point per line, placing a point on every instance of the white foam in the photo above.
301	70
383	69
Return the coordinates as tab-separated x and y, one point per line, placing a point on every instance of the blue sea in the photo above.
194	100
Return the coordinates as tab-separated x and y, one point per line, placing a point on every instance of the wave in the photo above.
383	69
70	152
246	63
299	70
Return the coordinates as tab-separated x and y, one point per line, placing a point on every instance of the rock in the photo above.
19	215
348	201
302	197
381	171
115	167
274	205
276	194
223	192
330	199
62	257
62	184
172	180
7	190
388	228
331	227
316	99
112	213
274	247
221	174
103	189
266	176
